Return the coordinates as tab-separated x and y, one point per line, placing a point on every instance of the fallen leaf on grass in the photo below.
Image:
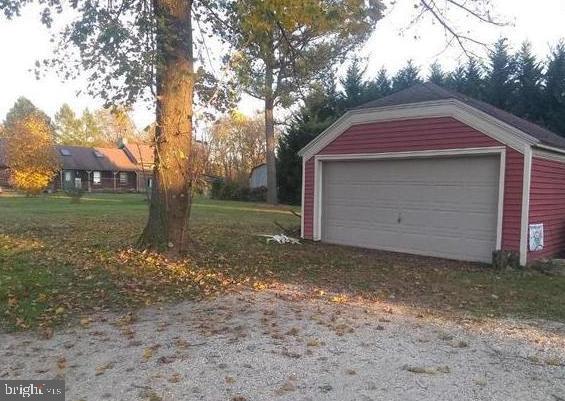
459	344
103	368
553	361
62	362
46	333
149	351
175	378
293	332
286	387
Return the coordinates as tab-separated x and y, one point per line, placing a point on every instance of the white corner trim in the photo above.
317	212
483	122
501	186
302	201
526	180
318	177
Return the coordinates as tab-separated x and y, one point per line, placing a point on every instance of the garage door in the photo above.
444	207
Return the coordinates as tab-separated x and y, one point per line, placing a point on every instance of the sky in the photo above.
24	40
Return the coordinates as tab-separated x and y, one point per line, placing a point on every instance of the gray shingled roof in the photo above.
83	158
429	92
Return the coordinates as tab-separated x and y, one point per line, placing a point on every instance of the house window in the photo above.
68	176
123	178
96	177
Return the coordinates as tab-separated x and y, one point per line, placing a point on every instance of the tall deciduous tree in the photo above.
236	145
131	50
31	153
115	124
284	45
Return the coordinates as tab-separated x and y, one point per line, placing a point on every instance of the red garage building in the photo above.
429	171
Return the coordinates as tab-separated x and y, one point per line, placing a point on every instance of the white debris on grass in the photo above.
280	239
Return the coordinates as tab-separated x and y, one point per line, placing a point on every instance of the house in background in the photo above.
258	177
96	169
432	172
143	157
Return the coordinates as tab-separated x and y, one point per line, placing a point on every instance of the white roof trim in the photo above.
477	119
542	153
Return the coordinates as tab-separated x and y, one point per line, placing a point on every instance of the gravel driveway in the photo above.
279	346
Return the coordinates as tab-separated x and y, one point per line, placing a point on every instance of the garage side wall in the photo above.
547	205
417	135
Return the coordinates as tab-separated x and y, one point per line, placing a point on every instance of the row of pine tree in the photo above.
517	82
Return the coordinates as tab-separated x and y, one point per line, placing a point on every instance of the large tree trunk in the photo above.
272	196
171	196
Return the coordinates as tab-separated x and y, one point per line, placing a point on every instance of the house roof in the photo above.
429	92
100	159
139	153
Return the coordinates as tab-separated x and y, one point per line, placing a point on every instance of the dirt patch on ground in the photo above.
276	345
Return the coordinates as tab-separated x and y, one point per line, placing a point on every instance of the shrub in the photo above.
232	190
75	194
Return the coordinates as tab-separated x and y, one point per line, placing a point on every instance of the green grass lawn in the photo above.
60	260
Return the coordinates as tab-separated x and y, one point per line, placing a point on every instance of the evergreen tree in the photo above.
318	112
436	75
500	79
529	89
554	94
92	129
406	77
354	88
473	84
22	108
68	128
381	86
456	79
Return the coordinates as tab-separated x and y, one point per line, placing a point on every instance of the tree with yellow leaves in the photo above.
31	154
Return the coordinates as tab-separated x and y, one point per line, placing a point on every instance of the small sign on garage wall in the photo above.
536	237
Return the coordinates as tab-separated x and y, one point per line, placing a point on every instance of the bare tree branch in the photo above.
475	14
461	39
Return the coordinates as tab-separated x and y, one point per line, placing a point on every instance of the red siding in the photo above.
547	205
425	134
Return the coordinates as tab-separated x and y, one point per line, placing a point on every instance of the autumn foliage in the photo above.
31	154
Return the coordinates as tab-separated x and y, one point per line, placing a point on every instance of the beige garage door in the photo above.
444	207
